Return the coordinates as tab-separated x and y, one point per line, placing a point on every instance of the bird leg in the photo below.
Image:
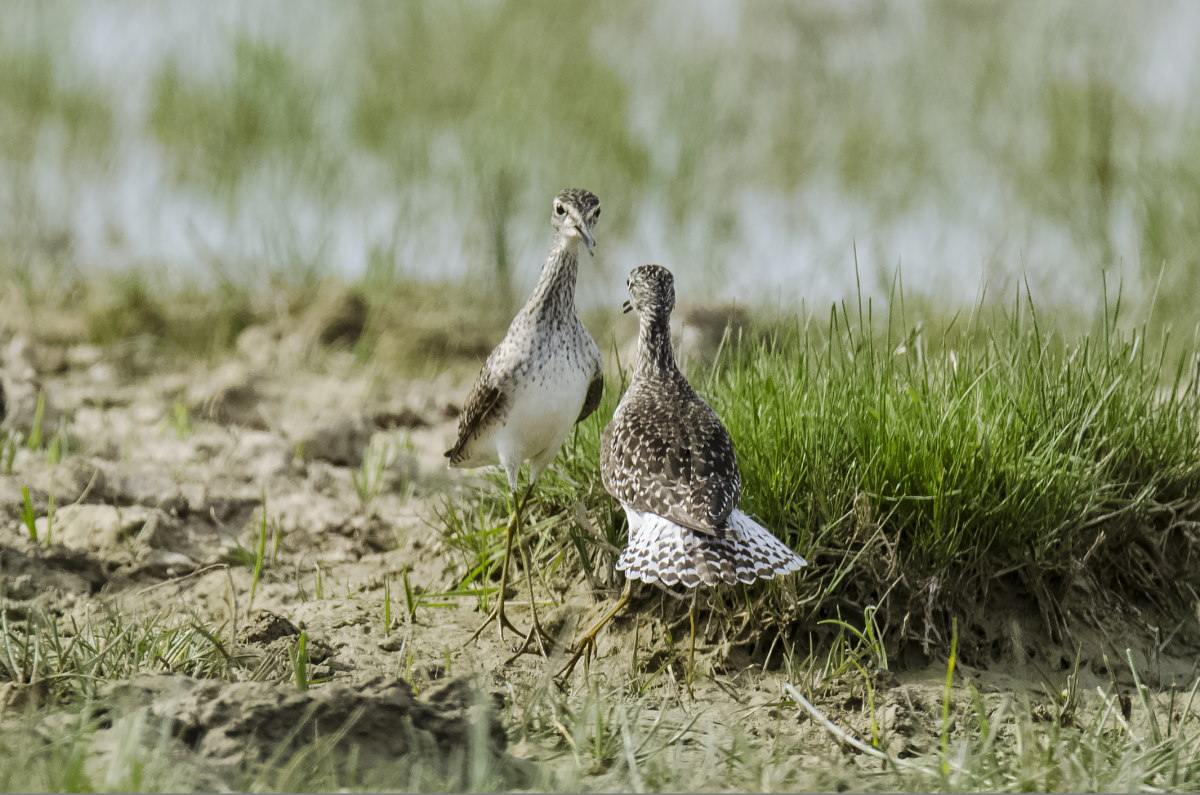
691	671
536	635
497	613
587	644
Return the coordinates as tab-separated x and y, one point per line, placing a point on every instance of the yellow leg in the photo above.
587	644
536	636
691	671
497	613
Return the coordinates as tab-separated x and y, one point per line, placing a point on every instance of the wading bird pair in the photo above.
665	456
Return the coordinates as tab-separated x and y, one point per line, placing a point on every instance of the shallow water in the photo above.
748	192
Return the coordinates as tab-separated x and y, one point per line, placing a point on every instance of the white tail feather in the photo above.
661	551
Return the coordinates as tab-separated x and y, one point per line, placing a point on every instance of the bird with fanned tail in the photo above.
669	461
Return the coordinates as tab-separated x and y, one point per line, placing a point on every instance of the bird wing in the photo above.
680	466
595	390
485	404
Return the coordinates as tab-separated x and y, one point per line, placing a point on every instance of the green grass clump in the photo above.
59	661
264	109
905	461
966	452
184	318
36	89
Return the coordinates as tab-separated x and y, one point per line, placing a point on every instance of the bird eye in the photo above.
597	215
559	210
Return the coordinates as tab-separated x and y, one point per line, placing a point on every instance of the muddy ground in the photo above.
157	502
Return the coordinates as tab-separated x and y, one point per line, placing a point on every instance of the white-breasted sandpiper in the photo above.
543	377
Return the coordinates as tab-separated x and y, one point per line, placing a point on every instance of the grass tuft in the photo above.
55	660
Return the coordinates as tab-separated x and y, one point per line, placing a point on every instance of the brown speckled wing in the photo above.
484	405
666	452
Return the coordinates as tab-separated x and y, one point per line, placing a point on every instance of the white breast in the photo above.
543	410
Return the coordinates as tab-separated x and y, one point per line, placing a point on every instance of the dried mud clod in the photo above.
267	645
48	574
343	321
230	395
267	627
342	442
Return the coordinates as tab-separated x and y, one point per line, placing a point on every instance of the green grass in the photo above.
140	316
28	516
55	660
904	460
300	662
602	738
76	757
260	549
958	454
265	109
1017	745
36	89
134	753
10	443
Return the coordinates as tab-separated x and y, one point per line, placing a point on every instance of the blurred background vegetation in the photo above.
248	154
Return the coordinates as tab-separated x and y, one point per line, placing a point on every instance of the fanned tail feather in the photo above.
744	551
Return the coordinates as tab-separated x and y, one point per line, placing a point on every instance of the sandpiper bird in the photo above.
670	462
543	377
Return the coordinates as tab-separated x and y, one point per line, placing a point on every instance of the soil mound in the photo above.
380	719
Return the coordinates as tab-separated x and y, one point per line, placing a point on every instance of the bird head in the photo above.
651	290
574	213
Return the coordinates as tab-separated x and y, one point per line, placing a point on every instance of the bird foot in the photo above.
536	640
583	650
586	646
501	620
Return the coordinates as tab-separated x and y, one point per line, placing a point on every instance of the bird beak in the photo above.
586	234
627	307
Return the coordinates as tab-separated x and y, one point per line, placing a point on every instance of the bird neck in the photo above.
555	290
655	358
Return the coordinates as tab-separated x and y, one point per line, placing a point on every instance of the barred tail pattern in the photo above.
743	551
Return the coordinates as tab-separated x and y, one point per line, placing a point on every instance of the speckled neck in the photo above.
554	294
655	358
